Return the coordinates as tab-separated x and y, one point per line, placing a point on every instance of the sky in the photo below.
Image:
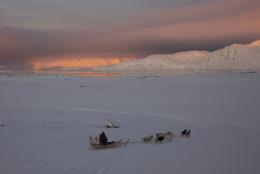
36	30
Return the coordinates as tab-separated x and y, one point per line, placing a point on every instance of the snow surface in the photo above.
46	122
236	57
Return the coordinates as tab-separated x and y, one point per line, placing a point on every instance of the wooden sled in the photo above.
95	144
110	123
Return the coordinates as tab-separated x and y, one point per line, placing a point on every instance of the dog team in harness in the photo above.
165	136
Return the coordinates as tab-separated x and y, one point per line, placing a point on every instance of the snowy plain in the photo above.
46	122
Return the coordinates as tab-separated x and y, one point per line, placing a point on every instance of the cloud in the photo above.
165	29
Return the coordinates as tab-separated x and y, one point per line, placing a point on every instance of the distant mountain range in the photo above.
231	58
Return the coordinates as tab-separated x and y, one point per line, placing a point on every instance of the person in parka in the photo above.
102	138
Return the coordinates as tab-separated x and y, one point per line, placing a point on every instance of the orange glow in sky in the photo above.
76	63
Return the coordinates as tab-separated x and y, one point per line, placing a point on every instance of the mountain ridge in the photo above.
232	57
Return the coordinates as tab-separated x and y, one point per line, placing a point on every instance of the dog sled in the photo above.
94	142
109	123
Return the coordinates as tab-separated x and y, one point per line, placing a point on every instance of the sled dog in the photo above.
148	139
163	136
185	133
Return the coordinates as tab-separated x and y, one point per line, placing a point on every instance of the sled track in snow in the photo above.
156	115
103	163
127	113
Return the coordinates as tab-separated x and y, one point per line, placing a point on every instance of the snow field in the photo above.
48	121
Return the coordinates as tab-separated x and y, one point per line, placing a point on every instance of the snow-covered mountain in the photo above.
233	57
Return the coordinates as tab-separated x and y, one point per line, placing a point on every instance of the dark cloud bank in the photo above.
202	26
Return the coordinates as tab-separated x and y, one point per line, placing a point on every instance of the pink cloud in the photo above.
156	31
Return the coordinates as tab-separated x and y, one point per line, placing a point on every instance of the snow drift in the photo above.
233	57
